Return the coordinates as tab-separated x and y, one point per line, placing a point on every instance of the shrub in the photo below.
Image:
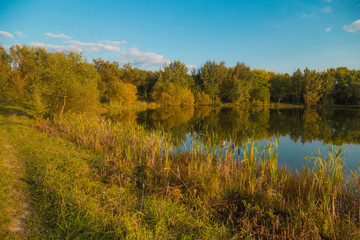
169	94
121	92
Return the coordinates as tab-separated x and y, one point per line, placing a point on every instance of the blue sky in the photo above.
277	36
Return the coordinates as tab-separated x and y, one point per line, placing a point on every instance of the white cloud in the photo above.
20	34
111	46
6	34
113	43
94	50
78	43
353	27
57	48
138	58
37	44
308	15
328	29
90	47
327	9
60	35
193	67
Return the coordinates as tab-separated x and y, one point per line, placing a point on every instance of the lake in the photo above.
299	132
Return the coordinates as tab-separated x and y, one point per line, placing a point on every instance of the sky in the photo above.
278	35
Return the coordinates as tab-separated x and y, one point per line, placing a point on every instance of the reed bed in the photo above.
250	198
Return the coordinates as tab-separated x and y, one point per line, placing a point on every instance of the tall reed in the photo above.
246	191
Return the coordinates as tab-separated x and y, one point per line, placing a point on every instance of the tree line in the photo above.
49	83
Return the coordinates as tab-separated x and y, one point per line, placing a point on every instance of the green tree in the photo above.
5	73
237	87
23	72
212	76
313	87
280	88
354	87
260	92
342	85
176	73
68	84
328	86
297	81
110	74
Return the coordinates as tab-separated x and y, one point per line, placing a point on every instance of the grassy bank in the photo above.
75	194
90	178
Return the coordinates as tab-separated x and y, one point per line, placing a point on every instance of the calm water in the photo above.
300	132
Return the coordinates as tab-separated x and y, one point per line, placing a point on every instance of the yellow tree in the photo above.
122	93
260	92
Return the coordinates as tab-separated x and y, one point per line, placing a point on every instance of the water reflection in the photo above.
301	132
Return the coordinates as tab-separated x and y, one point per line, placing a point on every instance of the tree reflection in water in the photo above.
301	126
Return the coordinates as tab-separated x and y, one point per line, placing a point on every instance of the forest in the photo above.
51	83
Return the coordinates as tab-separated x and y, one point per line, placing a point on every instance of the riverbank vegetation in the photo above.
93	178
48	83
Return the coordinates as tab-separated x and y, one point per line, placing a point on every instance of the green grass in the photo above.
5	192
75	194
91	178
14	189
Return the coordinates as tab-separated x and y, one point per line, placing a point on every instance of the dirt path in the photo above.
18	206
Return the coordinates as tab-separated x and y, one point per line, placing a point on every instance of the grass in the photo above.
5	192
75	194
94	179
14	190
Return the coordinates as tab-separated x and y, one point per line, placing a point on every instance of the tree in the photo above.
280	88
212	76
172	95
236	88
68	84
297	81
328	86
313	85
176	73
110	74
23	72
354	87
260	92
5	73
122	93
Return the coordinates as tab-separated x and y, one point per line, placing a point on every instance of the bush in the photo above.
169	94
121	92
